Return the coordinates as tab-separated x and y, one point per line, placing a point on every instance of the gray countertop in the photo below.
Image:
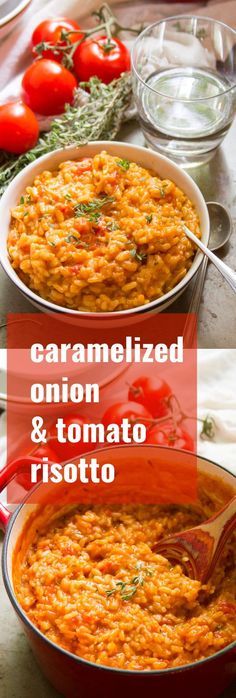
217	316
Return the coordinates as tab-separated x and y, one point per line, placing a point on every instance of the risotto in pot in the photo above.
90	581
101	234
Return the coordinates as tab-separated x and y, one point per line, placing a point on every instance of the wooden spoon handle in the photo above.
199	549
222	527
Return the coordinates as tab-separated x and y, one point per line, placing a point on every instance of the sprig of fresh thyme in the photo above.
92	210
138	255
98	119
127	590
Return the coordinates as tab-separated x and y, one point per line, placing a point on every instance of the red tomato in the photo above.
50	31
48	86
94	58
19	128
125	410
44	450
166	435
152	393
68	451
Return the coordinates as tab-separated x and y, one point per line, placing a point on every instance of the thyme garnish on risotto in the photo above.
140	256
124	164
128	589
92	210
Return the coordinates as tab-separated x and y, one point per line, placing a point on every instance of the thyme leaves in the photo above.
92	210
99	118
138	255
77	241
124	164
127	590
208	428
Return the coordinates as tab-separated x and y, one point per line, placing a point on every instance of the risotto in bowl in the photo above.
99	229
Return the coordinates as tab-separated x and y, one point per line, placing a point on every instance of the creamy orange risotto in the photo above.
90	581
101	234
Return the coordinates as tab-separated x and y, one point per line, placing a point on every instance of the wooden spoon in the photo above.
198	549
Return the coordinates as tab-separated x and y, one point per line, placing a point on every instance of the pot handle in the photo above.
5	515
7	474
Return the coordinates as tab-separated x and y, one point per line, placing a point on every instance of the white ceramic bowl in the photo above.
10	14
149	159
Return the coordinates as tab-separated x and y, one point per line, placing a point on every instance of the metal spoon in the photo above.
220	230
199	549
224	269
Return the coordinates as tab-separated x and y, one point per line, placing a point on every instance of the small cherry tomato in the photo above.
43	451
50	31
152	393
67	451
125	410
19	129
167	435
47	87
101	57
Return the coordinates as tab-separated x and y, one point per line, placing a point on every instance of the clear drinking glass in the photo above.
184	80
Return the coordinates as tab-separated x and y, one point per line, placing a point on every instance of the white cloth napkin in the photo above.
217	397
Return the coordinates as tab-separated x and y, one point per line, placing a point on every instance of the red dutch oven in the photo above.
75	677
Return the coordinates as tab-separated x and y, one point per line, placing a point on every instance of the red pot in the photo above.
77	678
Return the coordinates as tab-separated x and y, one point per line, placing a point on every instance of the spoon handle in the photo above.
220	527
225	270
189	327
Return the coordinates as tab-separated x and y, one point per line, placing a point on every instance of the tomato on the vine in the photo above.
101	57
19	129
125	410
50	31
48	86
153	393
167	434
67	451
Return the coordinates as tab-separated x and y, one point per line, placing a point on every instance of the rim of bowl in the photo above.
151	305
18	400
167	20
14	13
81	660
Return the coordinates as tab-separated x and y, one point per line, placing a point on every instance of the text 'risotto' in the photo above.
101	234
89	580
